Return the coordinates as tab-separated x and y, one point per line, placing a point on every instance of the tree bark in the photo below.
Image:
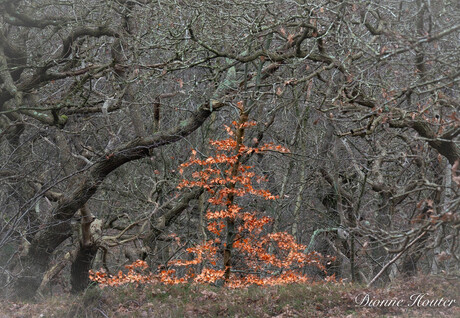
91	233
79	277
34	264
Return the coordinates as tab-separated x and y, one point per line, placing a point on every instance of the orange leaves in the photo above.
273	147
243	125
264	193
232	211
205	251
209	276
216	227
258	257
254	224
99	276
168	277
133	276
230	182
229	131
288	277
223	176
226	144
137	264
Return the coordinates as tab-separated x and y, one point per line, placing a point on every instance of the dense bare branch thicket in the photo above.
101	101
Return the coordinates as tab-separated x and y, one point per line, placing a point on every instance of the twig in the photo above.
396	258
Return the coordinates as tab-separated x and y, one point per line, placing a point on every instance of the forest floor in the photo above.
431	297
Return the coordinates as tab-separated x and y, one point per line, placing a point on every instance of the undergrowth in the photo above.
293	300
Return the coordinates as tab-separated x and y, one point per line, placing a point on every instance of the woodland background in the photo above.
102	101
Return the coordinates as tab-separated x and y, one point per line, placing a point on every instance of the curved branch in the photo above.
447	148
59	228
82	31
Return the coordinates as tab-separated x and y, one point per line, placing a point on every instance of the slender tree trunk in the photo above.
231	232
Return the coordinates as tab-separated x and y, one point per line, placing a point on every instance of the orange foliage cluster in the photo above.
276	257
135	274
260	259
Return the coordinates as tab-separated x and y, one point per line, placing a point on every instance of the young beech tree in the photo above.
250	254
